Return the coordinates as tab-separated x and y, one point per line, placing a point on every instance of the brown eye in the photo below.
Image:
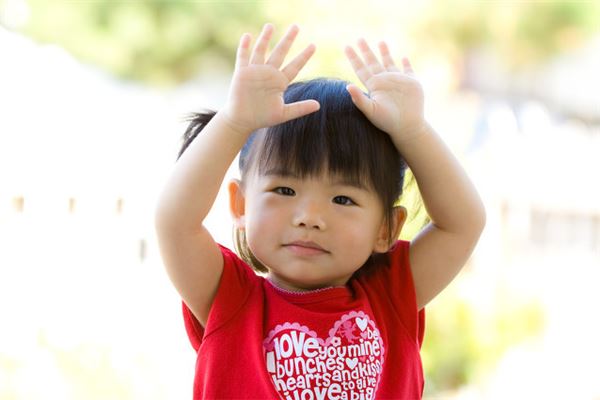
284	191
344	201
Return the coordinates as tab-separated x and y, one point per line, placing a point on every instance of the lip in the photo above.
305	248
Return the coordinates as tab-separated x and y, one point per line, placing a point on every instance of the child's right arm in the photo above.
190	255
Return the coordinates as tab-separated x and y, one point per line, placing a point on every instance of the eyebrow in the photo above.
335	181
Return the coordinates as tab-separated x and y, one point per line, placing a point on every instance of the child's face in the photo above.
313	232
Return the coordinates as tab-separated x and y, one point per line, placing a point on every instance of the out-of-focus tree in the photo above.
463	343
156	41
522	34
166	42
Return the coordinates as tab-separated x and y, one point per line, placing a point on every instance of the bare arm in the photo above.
457	214
395	105
191	257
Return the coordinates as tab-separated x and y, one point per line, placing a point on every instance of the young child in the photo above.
338	311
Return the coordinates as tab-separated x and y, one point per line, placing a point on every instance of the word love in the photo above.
345	366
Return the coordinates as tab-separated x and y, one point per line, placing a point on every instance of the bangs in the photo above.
324	142
338	140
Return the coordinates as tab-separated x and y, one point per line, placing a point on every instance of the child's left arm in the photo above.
395	105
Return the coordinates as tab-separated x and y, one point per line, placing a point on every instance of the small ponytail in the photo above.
197	122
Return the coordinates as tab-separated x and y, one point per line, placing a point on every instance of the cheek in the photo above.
362	231
262	219
359	234
263	228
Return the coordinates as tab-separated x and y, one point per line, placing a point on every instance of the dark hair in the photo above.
338	138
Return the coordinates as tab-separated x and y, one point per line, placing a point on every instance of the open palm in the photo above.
256	93
395	100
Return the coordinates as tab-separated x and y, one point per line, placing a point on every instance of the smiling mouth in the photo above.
302	248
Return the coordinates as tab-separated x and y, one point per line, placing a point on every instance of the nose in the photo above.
309	215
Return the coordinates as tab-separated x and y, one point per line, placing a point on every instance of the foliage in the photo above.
522	33
91	370
168	42
463	343
159	42
411	199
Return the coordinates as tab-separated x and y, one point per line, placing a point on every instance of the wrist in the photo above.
239	129
407	136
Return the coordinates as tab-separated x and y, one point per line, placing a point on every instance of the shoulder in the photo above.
391	287
237	268
399	253
395	260
389	277
237	282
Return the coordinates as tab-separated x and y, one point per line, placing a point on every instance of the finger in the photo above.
299	109
359	67
360	100
388	61
292	69
260	47
370	58
407	66
283	47
243	51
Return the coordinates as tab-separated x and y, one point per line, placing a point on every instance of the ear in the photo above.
383	242
237	203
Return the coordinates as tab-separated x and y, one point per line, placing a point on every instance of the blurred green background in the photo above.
169	42
483	64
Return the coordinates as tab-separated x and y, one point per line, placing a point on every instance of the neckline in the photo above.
311	295
303	292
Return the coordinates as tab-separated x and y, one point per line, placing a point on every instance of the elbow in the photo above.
479	219
482	215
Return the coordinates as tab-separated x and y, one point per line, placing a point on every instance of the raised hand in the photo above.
395	100
256	93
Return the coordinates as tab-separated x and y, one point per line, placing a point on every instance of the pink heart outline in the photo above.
342	330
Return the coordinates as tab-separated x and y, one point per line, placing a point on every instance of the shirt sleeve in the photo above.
236	283
392	275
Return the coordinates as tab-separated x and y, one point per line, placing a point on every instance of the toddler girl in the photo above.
338	309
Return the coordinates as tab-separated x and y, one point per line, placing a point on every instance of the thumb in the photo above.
299	109
360	100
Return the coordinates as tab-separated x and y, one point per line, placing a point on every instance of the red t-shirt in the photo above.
360	341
